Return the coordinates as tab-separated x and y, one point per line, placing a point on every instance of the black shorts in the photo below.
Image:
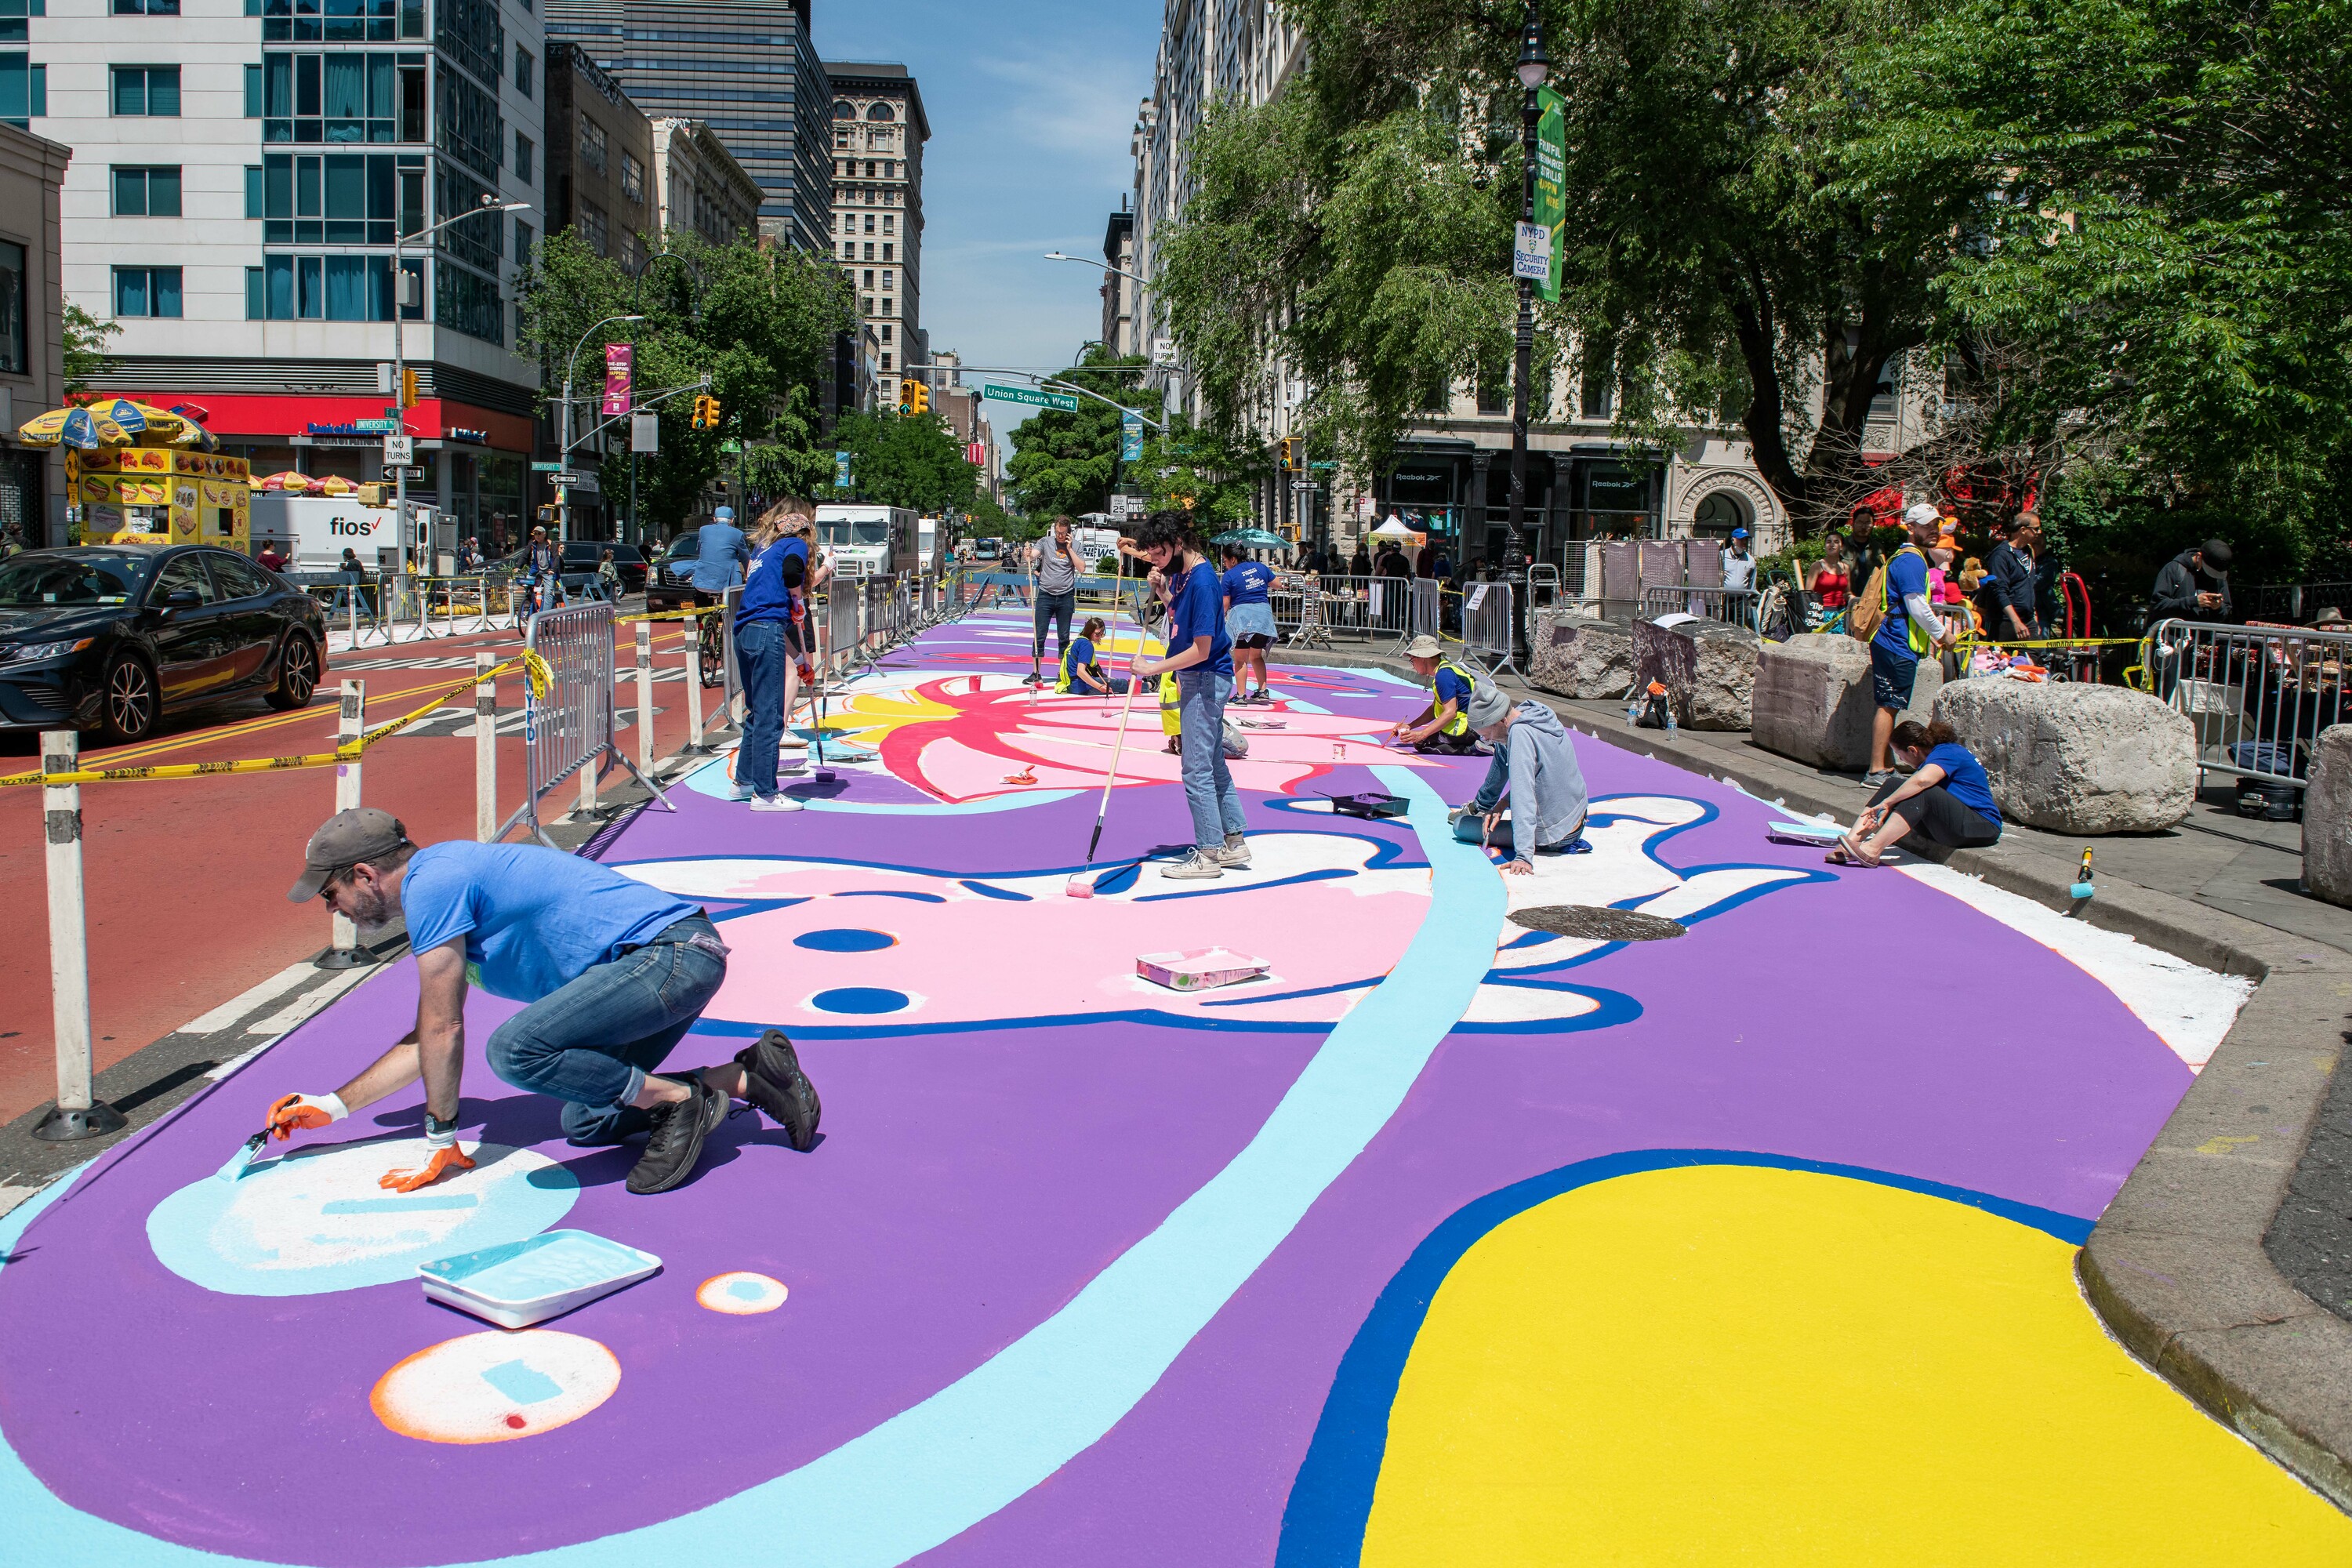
1254	641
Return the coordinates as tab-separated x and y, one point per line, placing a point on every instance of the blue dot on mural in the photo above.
747	1290
845	940
860	999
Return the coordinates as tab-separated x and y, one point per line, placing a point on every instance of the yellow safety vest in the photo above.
1920	646
1068	682
1460	723
1171	703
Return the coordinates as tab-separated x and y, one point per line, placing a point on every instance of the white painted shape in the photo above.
250	1000
2188	1008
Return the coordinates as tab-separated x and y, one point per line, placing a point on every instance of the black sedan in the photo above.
113	638
670	587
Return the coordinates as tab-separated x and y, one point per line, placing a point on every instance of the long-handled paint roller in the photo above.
1082	885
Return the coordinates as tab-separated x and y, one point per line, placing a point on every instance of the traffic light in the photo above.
1290	451
922	398
714	414
908	390
547	514
408	386
706	412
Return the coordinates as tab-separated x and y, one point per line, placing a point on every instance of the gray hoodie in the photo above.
1535	764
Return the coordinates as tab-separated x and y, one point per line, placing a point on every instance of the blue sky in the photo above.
1030	103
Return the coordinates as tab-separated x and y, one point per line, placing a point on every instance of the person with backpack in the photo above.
1893	615
1441	729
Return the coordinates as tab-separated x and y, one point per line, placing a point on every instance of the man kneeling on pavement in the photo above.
1534	768
614	971
1444	727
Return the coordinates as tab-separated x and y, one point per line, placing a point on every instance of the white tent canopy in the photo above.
1393	528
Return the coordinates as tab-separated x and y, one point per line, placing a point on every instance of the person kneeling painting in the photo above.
614	973
1536	767
1080	672
1948	798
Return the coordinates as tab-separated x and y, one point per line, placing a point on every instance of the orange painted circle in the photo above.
495	1387
742	1294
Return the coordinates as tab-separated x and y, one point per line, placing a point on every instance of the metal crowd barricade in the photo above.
1487	624
569	730
1427	609
2257	696
1543	587
1350	609
1732	607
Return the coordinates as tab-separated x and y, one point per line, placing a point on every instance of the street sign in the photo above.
1125	506
1130	437
561	477
1067	402
620	361
1551	178
400	448
645	433
1163	351
1531	253
414	476
547	467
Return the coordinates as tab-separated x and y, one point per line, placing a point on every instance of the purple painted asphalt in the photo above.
969	1184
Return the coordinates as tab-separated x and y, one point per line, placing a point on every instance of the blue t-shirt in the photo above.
719	549
1200	612
1079	656
1452	687
1246	582
1964	780
768	584
1907	573
533	918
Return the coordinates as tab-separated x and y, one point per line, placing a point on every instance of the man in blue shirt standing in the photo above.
1909	631
770	646
1201	657
615	972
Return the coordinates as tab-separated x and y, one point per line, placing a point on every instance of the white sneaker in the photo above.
741	792
1235	854
775	802
1202	865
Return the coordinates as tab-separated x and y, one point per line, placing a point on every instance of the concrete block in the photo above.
1723	696
1811	700
1580	656
2327	818
2071	758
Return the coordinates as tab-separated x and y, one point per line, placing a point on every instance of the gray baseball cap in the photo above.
1424	647
362	833
1487	708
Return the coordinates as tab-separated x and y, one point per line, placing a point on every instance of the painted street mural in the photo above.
1445	1240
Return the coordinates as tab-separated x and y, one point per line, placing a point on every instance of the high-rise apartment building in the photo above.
747	68
878	132
239	169
600	160
1120	334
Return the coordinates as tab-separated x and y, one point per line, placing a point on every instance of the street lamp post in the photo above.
1534	66
563	450
399	348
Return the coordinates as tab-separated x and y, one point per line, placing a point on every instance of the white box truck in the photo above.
313	531
867	540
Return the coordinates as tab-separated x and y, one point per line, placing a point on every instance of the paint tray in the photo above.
1198	968
1820	835
538	1278
1371	805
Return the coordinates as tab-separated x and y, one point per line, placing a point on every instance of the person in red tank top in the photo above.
1829	585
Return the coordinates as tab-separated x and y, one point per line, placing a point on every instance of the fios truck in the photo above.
312	531
867	540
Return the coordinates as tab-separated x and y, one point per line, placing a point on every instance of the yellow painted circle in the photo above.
741	1294
495	1387
1716	1364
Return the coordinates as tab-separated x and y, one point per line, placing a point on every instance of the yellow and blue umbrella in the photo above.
77	428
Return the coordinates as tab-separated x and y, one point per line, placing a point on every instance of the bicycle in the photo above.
711	644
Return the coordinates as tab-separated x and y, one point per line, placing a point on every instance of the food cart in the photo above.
163	495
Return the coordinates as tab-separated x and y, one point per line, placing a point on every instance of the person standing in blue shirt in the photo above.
771	645
1948	798
1201	656
613	973
1909	631
1249	621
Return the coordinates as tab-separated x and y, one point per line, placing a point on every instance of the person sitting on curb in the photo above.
1444	727
614	971
1535	766
1946	797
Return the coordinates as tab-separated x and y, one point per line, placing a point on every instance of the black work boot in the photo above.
675	1144
773	1081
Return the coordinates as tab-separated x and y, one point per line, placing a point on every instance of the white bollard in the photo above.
345	953
486	748
693	683
735	704
644	697
77	1114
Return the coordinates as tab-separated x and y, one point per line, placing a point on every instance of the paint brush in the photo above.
242	1161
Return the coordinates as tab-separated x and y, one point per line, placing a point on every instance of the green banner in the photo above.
1551	174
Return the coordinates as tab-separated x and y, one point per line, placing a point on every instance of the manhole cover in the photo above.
1596	924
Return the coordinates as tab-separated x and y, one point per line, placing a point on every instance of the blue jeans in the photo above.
1201	696
760	653
591	1042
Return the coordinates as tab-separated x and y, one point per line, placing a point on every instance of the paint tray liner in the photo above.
538	1278
1371	805
1200	968
1819	834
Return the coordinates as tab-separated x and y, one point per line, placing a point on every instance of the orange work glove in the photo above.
302	1112
443	1162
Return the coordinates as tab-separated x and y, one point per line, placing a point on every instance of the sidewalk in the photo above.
2225	1262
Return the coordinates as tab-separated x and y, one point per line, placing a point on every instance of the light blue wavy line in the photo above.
936	1469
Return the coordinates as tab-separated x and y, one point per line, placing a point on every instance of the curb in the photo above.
2177	1267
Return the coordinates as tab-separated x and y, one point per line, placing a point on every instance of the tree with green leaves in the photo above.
910	460
760	321
85	356
1064	462
1214	474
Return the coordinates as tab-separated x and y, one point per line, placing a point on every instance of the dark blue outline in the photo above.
1330	1498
